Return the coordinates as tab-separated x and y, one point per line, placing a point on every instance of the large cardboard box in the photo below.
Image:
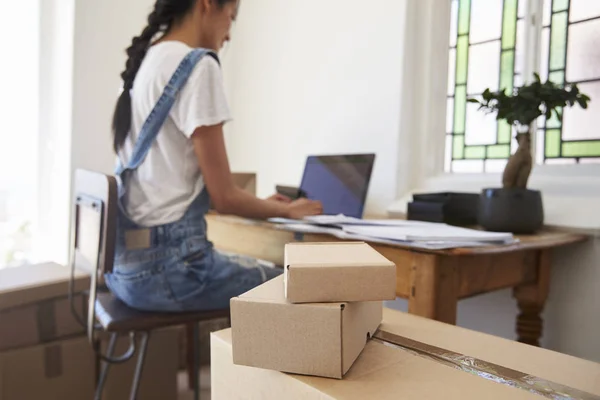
34	306
159	376
345	271
481	367
55	371
312	339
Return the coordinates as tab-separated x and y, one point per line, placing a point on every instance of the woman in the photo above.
168	134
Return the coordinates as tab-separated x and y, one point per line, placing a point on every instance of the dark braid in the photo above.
162	18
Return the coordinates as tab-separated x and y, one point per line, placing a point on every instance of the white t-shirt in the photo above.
169	178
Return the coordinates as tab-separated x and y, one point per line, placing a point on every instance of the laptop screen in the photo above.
340	182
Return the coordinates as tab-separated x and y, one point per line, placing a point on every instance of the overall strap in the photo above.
160	112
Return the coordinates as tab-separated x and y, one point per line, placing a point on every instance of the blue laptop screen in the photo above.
339	182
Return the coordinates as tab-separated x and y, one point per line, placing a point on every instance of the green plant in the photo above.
521	108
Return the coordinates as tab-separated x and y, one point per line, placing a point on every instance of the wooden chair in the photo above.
93	247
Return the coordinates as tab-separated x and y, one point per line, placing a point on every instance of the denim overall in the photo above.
174	267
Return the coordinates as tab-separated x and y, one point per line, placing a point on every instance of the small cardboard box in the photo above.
311	339
345	271
159	376
389	372
34	305
55	371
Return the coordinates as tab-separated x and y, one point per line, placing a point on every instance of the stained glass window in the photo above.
485	48
570	54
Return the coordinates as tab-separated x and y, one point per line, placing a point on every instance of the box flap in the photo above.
33	283
542	363
326	272
273	292
341	254
381	372
270	332
357	328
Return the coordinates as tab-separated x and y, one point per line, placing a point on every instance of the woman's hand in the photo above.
301	208
279	198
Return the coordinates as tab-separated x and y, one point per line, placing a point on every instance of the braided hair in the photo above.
165	14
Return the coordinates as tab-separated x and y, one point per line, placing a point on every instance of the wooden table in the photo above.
432	281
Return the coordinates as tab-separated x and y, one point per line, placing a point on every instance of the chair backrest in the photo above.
94	230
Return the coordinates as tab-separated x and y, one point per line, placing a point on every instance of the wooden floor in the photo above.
185	394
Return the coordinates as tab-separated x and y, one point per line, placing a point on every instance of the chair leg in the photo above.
189	339
139	366
196	361
105	366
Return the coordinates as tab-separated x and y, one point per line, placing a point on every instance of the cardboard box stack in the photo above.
282	346
317	318
44	352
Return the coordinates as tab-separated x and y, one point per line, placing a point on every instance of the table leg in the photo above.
531	299
433	287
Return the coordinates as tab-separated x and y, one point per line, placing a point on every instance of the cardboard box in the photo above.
345	271
55	371
312	339
386	371
34	306
159	376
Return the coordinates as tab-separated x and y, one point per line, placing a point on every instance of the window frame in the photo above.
422	149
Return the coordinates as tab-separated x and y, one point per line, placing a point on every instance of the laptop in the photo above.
339	182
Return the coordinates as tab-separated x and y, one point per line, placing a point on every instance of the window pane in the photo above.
558	45
547	12
561	161
583	124
584	51
539	148
581	149
460	109
507	72
486	20
560	5
522	8
458	147
454	23
481	126
451	72
583	9
449	115
448	161
464	16
509	24
483	67
553	143
467	166
520	48
545	54
498	151
462	54
475	152
590	161
495	166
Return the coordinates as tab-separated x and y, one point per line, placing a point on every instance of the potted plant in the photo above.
514	207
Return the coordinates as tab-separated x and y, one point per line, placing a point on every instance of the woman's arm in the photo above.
209	146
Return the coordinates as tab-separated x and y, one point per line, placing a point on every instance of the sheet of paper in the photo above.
343	235
433	232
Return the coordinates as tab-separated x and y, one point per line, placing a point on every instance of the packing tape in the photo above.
46	321
484	369
53	361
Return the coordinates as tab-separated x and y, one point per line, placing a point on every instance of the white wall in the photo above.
103	30
314	77
83	54
307	77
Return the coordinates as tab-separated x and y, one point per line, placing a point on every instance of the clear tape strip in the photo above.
484	369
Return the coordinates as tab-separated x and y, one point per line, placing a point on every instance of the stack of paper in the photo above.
417	234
